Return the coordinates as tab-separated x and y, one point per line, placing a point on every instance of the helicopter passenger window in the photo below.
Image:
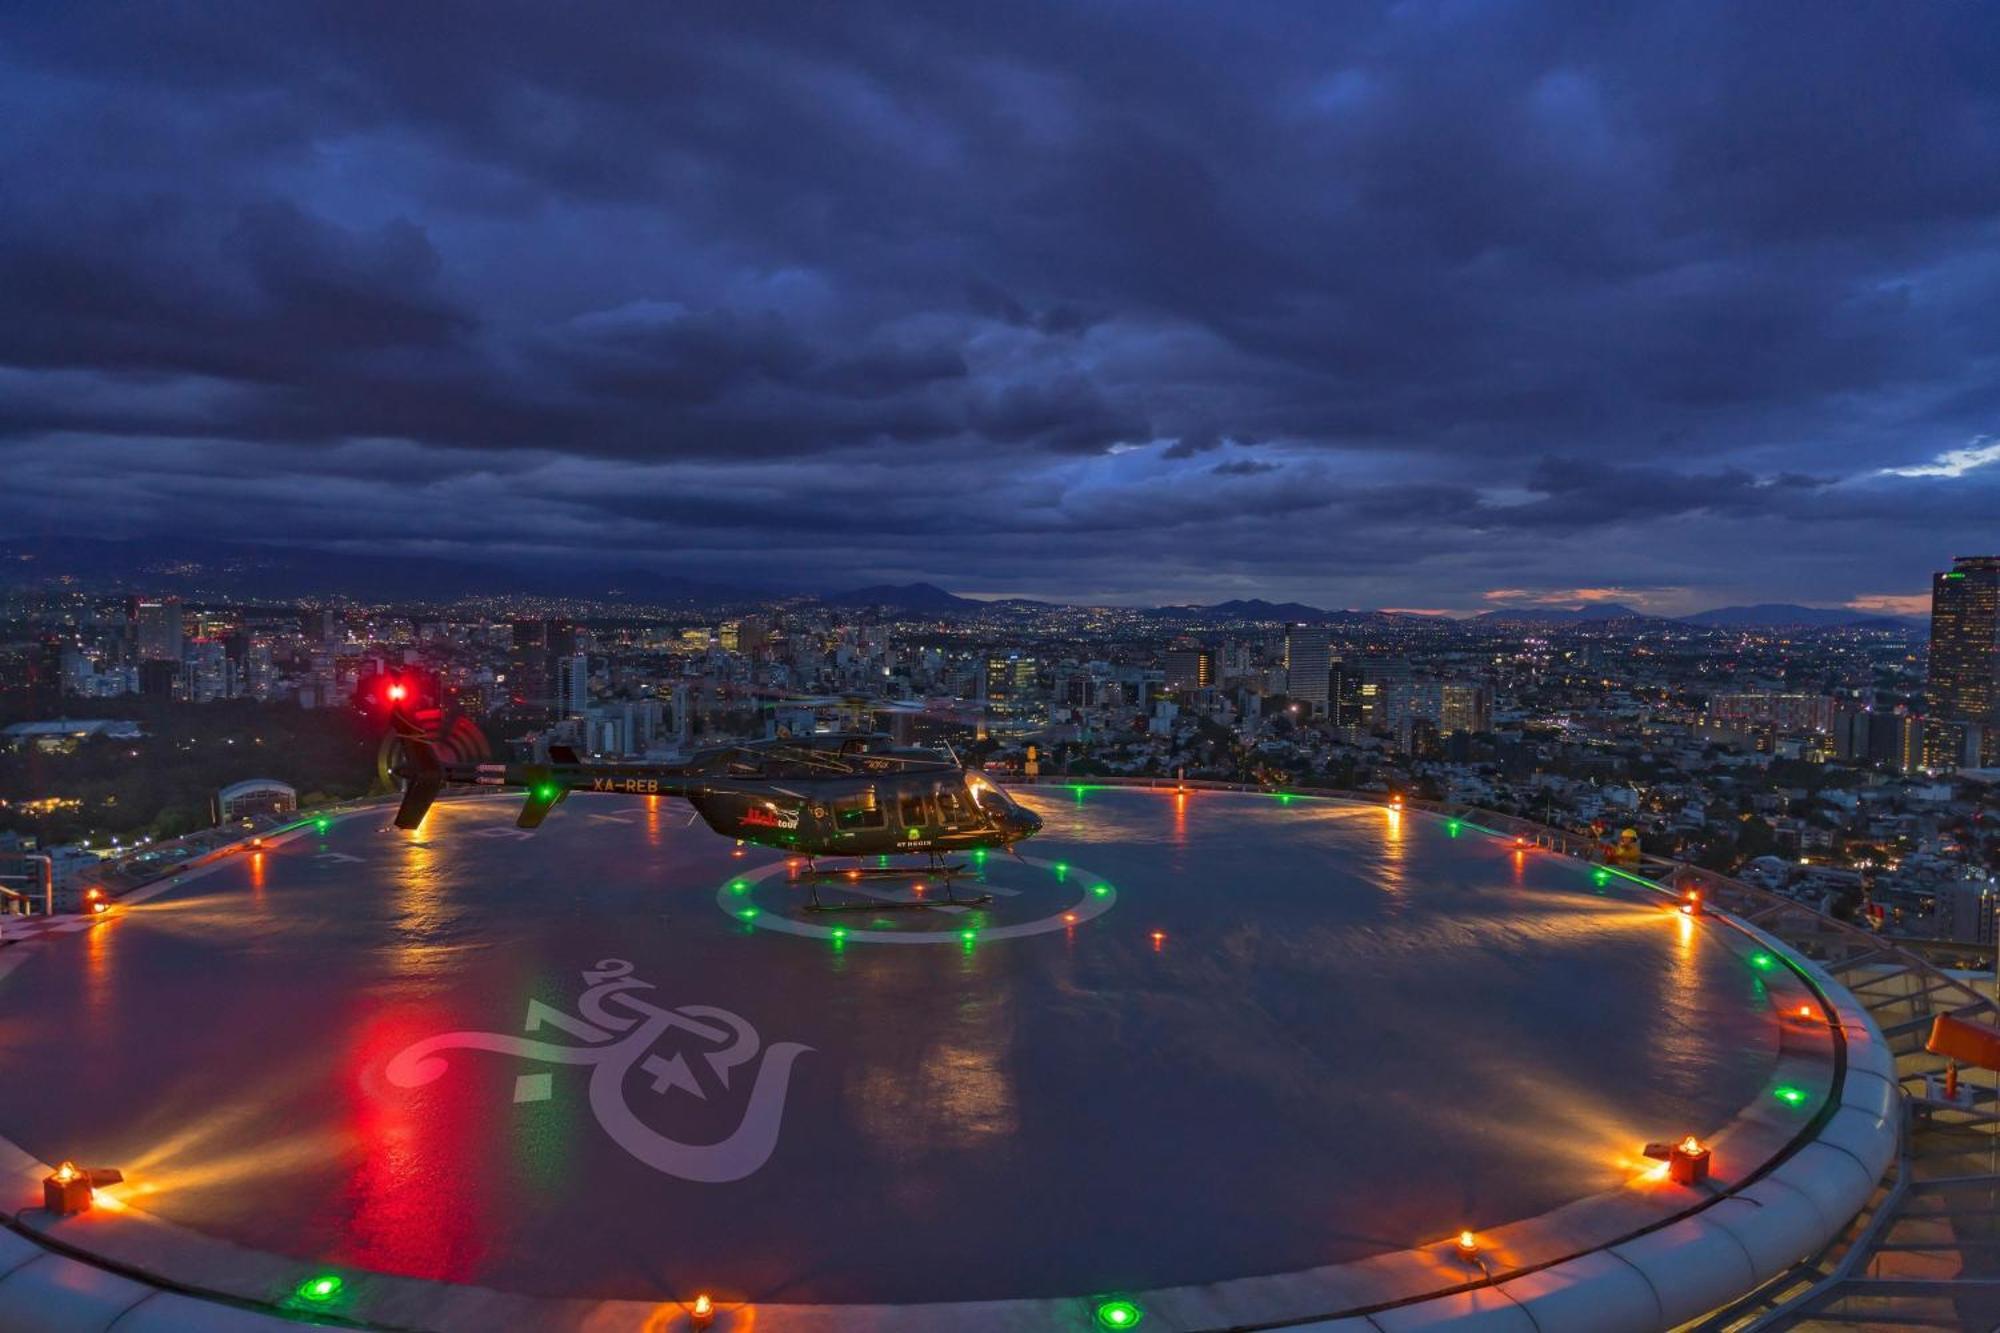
911	807
857	812
951	806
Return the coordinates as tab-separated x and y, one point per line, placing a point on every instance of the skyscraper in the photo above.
573	685
1009	678
156	628
1464	706
1964	689
1308	665
1190	668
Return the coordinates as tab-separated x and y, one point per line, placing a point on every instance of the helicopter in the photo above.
848	794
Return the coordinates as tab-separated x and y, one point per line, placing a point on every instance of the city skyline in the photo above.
1427	307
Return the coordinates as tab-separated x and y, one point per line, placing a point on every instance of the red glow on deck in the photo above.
407	1209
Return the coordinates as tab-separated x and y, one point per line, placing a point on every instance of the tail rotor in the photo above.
416	750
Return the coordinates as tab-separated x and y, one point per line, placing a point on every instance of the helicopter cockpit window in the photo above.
986	794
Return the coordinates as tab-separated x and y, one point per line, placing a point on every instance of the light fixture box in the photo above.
66	1197
1688	1168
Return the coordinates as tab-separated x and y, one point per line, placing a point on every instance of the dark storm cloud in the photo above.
1390	304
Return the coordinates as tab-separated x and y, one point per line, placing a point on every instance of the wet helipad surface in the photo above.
612	1059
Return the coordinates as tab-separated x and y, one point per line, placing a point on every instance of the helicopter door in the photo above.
911	809
953	810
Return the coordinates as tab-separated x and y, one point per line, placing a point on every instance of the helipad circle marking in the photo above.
1097	898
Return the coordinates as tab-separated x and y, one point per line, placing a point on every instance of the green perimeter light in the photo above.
739	886
1760	959
748	914
1119	1314
1101	890
968	935
546	792
1790	1096
322	824
839	934
319	1290
1453	827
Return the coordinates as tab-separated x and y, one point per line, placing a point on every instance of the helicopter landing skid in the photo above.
875	906
821	875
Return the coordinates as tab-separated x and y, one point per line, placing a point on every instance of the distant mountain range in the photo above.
1763	615
1256	608
1590	613
905	597
208	569
1785	614
214	569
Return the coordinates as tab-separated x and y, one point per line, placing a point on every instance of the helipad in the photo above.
1229	1060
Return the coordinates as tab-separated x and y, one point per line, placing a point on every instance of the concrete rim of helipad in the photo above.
1646	1255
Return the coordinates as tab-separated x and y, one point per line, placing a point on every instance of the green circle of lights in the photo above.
1095	897
1119	1314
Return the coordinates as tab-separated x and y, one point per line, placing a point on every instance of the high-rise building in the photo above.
1464	706
156	628
208	672
1964	688
573	685
528	665
158	679
1308	665
1009	678
1386	692
1190	669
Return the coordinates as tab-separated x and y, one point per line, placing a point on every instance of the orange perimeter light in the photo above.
1468	1245
69	1189
702	1313
1689	1163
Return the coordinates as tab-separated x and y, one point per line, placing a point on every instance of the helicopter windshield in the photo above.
986	794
